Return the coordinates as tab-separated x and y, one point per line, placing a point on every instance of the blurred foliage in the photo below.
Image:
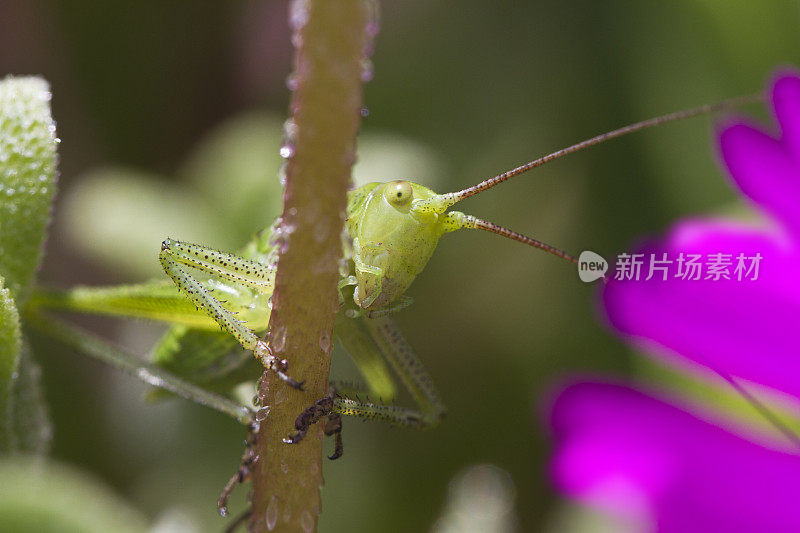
231	172
42	496
481	498
146	100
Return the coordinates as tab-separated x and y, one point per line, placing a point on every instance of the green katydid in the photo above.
392	231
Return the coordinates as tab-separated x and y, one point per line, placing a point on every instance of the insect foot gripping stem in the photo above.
279	366
313	414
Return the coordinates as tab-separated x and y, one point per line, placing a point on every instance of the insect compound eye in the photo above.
399	193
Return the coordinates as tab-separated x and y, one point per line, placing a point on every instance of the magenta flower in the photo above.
660	468
663	467
744	327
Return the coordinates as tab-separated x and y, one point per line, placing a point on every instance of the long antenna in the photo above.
638	126
471	222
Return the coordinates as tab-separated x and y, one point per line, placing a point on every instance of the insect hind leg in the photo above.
175	254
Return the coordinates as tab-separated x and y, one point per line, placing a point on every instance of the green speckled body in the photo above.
391	243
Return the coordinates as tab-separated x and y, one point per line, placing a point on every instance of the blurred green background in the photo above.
170	119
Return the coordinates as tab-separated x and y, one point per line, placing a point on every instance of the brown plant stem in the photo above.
330	38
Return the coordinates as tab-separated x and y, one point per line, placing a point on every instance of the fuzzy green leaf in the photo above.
10	347
27	177
31	429
24	425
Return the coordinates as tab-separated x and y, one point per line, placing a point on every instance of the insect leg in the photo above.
244	471
356	340
372	273
224	265
333	426
408	366
312	414
401	303
333	406
401	357
391	414
174	254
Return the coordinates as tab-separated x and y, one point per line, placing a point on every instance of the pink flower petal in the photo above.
648	461
745	328
764	171
786	102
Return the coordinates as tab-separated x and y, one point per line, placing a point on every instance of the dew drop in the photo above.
287	151
307	522
367	70
296	39
289	130
291	81
262	414
373	27
280	396
282	175
279	339
321	231
325	342
364	112
313	209
271	514
298	14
